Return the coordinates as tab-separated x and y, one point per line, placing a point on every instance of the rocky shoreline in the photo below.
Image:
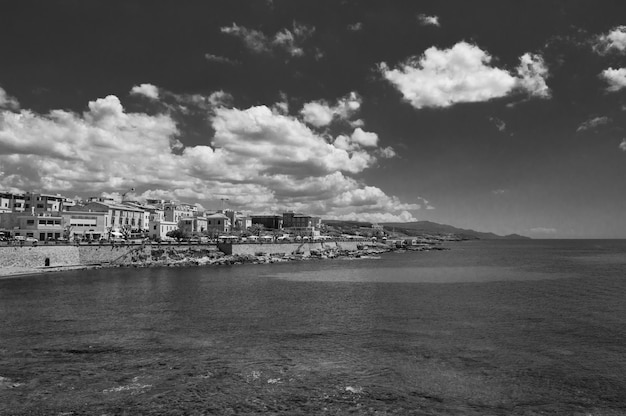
217	258
167	257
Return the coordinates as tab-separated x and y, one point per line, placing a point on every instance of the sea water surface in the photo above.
487	328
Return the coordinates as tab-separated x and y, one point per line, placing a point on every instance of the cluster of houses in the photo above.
54	217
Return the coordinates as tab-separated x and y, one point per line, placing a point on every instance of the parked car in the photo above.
31	240
19	238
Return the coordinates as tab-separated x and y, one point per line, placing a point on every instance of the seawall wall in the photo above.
252	249
28	258
35	256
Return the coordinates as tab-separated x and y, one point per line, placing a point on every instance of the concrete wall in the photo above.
284	248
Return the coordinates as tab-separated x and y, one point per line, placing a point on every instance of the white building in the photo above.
159	229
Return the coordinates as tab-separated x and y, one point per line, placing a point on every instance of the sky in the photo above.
501	116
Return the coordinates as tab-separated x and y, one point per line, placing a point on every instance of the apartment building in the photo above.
38	202
12	202
274	222
193	225
45	226
175	211
218	222
159	229
145	218
238	221
118	217
86	225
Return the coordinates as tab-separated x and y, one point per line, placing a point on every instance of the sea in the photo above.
499	327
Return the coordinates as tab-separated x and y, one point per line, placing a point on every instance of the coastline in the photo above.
217	258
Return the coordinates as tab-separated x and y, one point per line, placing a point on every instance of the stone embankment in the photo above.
36	259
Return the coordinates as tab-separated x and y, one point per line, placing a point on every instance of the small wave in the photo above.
8	383
354	390
134	387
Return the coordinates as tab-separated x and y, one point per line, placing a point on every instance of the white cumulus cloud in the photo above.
260	159
615	40
147	90
532	74
6	101
622	145
278	143
616	78
441	78
321	113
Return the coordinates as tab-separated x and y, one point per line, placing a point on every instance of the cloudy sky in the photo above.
500	116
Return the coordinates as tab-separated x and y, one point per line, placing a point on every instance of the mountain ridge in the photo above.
429	227
421	228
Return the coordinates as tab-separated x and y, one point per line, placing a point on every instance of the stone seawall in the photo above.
94	254
35	256
251	249
32	259
28	258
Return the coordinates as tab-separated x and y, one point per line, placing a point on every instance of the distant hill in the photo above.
427	227
419	228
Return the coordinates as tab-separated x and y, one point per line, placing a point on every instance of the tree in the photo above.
177	234
256	229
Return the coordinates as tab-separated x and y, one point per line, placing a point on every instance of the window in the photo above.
42	222
30	222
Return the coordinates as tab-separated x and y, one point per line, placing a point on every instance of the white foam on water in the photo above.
8	383
354	390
